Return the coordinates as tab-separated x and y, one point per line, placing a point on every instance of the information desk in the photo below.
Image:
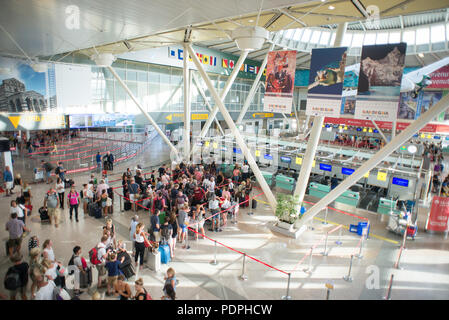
285	182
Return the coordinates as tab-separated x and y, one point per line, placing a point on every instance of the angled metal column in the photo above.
314	139
227	117
187	109
255	85
223	94
209	107
380	131
153	123
393	145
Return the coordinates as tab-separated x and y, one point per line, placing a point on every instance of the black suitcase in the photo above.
254	204
86	278
98	213
91	209
127	205
127	269
43	213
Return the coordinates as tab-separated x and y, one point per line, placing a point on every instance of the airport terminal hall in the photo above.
196	150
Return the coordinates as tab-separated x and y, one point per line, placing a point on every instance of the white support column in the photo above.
227	117
393	129
393	145
187	109
153	123
223	94
203	94
255	86
380	131
314	139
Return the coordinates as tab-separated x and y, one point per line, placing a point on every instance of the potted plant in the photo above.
287	211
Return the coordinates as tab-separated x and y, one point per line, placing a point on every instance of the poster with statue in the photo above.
379	86
327	70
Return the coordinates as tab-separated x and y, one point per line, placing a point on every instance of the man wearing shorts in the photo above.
133	191
8	180
214	211
51	203
15	227
101	255
182	215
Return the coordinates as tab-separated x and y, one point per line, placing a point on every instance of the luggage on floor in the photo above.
127	205
253	204
154	261
165	253
68	183
20	200
43	213
86	278
98	212
91	209
127	266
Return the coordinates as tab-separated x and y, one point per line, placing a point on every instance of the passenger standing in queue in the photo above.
334	182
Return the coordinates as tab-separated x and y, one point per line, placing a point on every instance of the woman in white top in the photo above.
19	209
60	189
140	237
48	252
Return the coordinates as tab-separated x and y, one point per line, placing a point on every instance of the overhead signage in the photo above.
257	153
325	167
31	121
286	159
298	160
347	171
280	81
327	70
380	76
263	115
381	176
400	182
439	213
237	150
200	116
268	156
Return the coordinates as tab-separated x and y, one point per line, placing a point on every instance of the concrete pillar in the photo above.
187	109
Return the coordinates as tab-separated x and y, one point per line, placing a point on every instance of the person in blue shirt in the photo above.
113	267
98	158
8	180
334	182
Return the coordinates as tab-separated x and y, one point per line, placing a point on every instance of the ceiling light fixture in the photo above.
250	20
421	55
331	7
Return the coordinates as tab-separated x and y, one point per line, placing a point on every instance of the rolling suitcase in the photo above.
126	267
253	204
43	213
127	205
165	253
98	213
86	278
91	209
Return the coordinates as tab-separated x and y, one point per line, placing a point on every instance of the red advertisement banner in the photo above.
440	78
439	214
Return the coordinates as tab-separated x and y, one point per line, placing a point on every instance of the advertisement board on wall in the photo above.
327	70
280	81
379	86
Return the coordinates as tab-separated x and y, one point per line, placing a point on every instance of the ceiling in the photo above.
42	27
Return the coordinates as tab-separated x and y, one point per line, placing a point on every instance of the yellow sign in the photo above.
298	160
200	116
207	143
263	115
346	128
177	115
215	145
366	175
381	176
423	135
370	130
257	153
313	164
429	136
15	121
364	129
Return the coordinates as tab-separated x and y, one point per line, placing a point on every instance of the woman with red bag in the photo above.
141	243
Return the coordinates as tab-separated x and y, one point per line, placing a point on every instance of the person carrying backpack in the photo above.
47	168
98	257
16	279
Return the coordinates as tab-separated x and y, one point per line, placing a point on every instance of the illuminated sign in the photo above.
347	171
286	159
268	156
400	182
237	150
325	167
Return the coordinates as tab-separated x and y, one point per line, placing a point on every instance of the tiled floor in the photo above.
425	262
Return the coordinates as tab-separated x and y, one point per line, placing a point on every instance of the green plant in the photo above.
288	208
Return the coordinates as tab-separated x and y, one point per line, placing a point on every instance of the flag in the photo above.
171	53
231	64
224	63
206	59
213	61
251	69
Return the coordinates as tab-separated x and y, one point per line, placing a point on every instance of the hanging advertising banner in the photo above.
31	121
439	78
280	81
327	71
439	213
380	78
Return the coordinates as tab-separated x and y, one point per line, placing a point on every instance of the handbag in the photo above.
146	242
109	202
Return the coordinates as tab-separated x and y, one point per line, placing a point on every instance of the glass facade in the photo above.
160	88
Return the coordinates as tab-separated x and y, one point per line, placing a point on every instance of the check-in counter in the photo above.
268	177
349	197
318	190
285	182
386	206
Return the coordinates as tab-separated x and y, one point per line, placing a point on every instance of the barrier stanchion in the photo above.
287	296
187	247
121	207
339	242
329	286
348	277
324	253
325	216
359	255
388	297
243	276
309	268
215	262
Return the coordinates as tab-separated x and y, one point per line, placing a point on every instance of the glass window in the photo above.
289	33
297	34
437	33
325	35
357	40
394	37
333	38
306	35
422	36
315	36
382	38
347	38
370	38
409	37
